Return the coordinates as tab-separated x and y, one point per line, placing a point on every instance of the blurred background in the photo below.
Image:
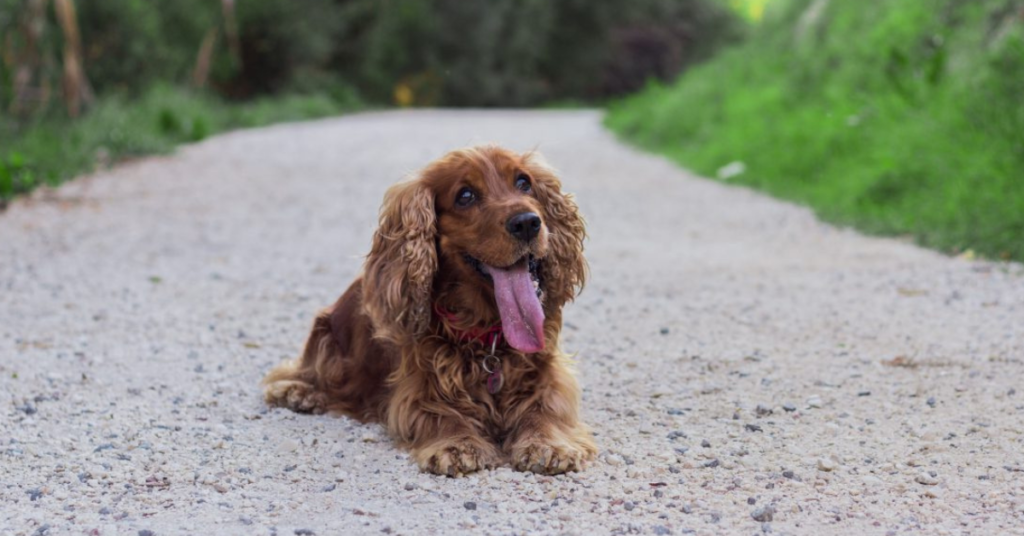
900	118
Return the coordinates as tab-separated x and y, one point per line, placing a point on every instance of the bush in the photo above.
128	45
51	150
277	41
899	119
429	52
521	52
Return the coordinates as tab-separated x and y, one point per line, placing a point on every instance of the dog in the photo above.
450	336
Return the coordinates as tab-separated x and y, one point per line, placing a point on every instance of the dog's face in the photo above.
492	239
488	213
489	232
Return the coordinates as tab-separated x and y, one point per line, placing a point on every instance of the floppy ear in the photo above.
565	271
400	268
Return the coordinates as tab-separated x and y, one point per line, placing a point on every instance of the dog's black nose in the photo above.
524	226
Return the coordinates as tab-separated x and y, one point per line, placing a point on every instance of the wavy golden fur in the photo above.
382	353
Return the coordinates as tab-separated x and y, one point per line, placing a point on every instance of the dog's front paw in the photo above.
458	457
551	458
295	395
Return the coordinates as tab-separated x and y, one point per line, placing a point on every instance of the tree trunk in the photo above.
204	58
77	91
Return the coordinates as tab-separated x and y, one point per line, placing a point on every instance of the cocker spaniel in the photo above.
450	336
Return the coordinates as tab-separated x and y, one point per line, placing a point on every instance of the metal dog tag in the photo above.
494	382
492	366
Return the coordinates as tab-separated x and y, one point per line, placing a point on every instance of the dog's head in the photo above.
485	230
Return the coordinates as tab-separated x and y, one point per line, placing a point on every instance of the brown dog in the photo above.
450	336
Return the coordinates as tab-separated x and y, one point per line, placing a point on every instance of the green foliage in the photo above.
522	52
52	150
438	52
129	45
898	118
278	42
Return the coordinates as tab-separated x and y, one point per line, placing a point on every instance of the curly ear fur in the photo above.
401	264
565	277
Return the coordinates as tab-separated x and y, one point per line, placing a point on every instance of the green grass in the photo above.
53	149
902	118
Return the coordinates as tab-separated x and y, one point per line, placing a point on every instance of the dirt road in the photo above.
746	368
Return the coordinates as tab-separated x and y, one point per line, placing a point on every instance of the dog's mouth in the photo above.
517	291
533	263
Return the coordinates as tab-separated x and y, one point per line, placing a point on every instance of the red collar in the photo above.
488	336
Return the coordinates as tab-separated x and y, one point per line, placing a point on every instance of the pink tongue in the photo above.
522	318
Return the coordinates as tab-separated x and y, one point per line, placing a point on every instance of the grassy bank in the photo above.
53	149
897	118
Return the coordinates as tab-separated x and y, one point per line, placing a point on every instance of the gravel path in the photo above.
746	368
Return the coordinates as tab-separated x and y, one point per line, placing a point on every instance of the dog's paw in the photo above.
551	458
457	457
295	395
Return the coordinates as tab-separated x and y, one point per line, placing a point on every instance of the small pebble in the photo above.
712	464
288	445
826	464
629	505
469	505
931	401
27	409
926	478
659	529
753	428
932	492
146	532
764	514
761	410
664	331
304	532
788	474
410	486
330	487
789	407
706	444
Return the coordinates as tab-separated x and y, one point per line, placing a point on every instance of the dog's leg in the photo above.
442	438
287	387
293	384
457	455
545	433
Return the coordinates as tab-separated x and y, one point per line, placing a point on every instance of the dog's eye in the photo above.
523	183
465	197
